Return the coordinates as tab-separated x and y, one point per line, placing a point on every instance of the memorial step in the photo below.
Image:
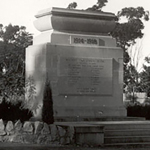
126	139
126	125
143	144
127	133
90	118
131	132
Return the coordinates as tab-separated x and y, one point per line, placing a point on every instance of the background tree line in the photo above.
13	42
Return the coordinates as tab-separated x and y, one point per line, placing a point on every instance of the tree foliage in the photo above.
145	77
98	6
126	34
72	5
13	41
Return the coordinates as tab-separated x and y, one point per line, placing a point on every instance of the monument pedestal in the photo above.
85	69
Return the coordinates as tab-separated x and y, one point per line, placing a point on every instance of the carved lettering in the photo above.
87	41
85	76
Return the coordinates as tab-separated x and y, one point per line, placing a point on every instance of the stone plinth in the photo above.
89	135
74	20
82	62
55	23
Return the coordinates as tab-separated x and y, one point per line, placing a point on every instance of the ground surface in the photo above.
9	146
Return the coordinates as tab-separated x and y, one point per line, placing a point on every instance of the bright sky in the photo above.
21	12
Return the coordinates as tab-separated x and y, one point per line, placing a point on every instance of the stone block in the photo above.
90	135
65	140
38	126
61	131
2	128
44	139
96	67
10	128
16	139
62	140
28	128
54	132
45	129
18	126
70	133
29	139
1	138
6	138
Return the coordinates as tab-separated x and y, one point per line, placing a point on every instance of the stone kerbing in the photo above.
34	133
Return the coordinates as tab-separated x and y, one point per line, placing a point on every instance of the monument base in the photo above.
84	80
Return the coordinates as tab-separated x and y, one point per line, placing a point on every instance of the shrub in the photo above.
47	110
140	110
13	112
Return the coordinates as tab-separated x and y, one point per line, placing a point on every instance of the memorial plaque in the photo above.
84	76
90	41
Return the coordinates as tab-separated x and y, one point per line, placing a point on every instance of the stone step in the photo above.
129	145
127	126
113	125
126	139
131	132
91	118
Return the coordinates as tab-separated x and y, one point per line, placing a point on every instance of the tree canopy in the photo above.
145	77
13	41
126	34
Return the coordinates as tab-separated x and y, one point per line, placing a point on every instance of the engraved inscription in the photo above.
84	40
85	76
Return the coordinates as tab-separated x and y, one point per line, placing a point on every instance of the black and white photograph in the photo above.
75	75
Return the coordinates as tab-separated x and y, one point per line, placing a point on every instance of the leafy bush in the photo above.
13	42
13	112
30	93
139	110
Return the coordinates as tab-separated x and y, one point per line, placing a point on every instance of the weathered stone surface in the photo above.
45	129
44	139
18	126
10	127
1	138
67	141
16	139
54	132
2	128
70	133
28	138
61	131
38	126
48	139
28	127
62	140
93	22
6	138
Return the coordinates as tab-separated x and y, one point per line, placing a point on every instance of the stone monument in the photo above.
82	62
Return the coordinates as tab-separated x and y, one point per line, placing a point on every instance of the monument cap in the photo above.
70	20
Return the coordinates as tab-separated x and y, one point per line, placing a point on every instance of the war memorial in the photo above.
82	62
84	67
